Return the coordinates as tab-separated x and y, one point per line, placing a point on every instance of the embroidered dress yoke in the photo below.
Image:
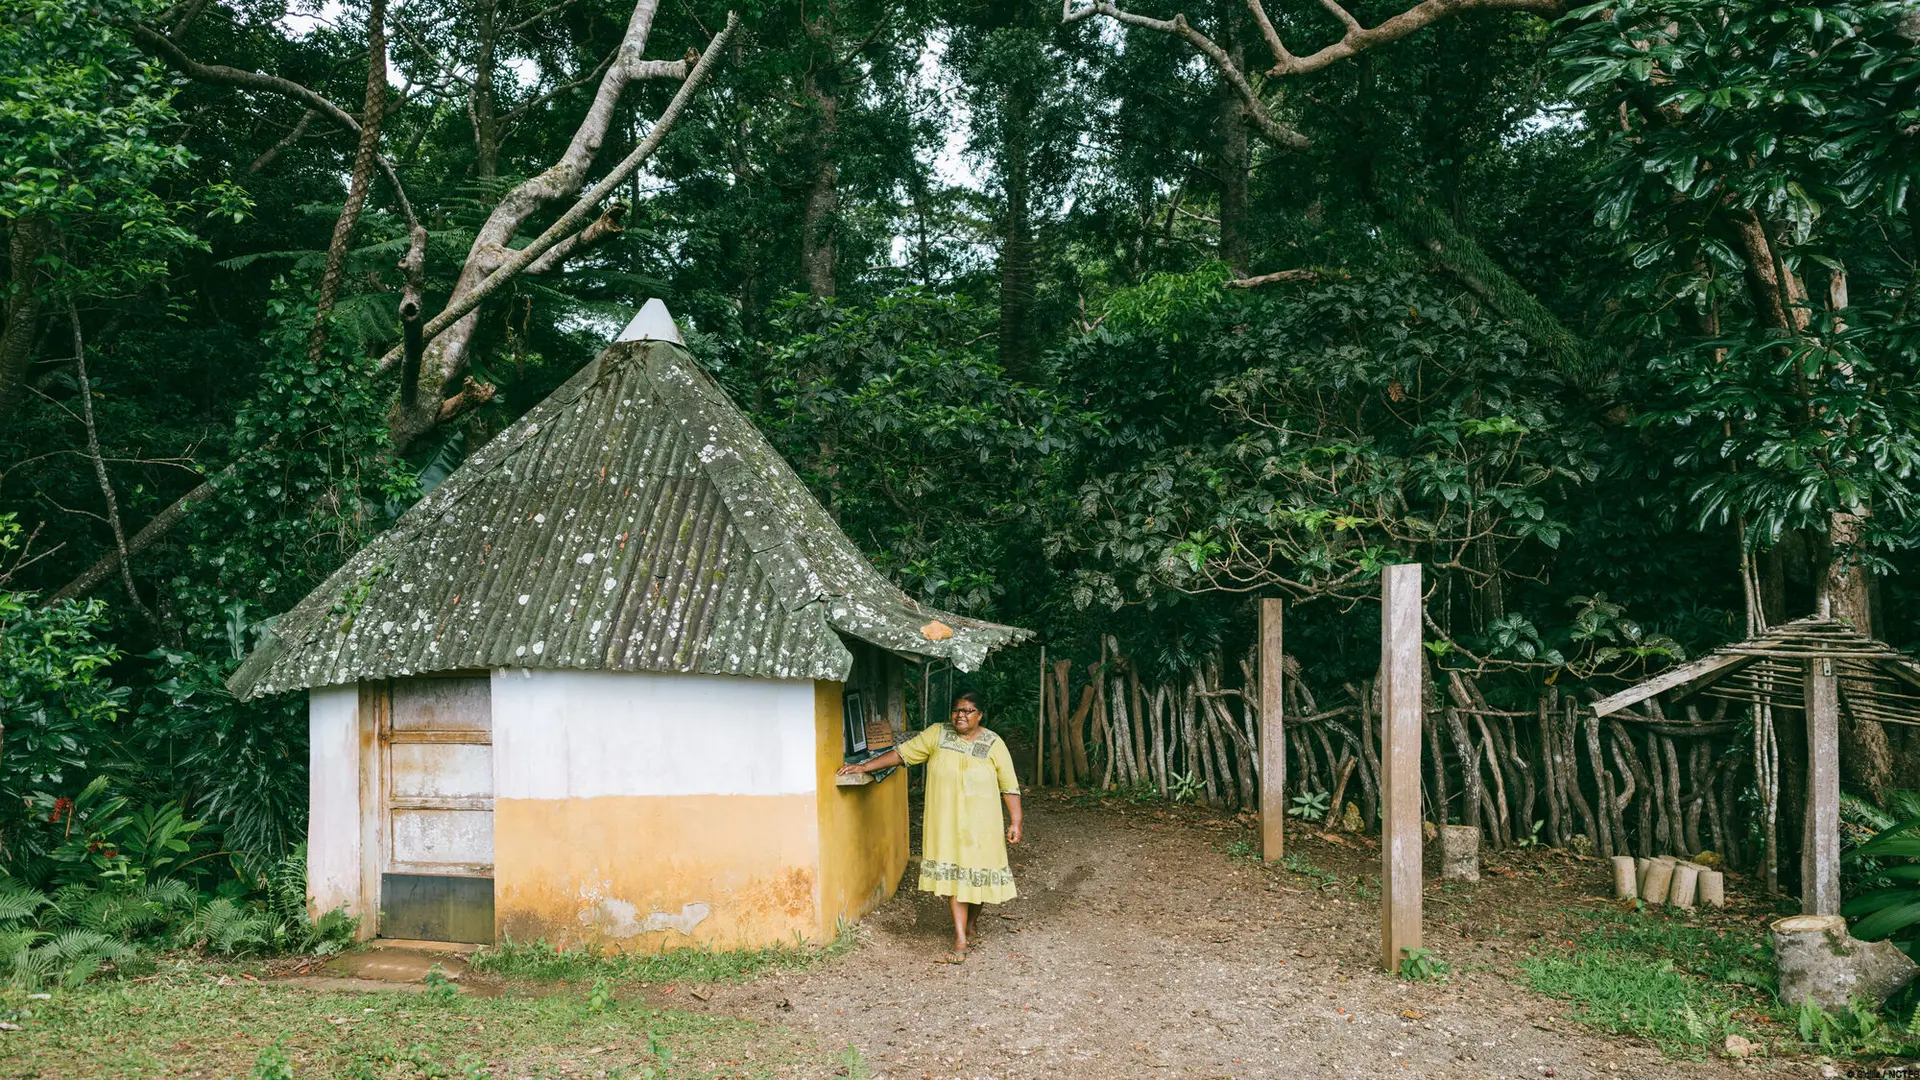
963	844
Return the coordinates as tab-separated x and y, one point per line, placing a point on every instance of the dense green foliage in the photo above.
1886	864
1607	319
1687	986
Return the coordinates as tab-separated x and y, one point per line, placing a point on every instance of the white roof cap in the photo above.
654	323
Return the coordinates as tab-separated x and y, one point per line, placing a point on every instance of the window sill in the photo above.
863	779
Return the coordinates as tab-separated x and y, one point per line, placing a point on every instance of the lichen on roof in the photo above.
636	520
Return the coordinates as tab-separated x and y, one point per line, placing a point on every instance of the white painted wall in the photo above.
333	799
582	734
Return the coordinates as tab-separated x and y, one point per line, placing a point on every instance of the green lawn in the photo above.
206	1020
1686	984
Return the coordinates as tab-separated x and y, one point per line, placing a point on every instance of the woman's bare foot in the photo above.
954	956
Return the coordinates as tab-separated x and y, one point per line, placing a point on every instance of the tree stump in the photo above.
1460	852
1624	878
1820	962
1653	887
1713	888
1685	886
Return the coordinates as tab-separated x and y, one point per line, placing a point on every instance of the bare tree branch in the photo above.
188	12
472	395
99	463
273	152
1355	38
1277	133
412	311
599	70
605	227
1270	279
221	75
162	523
491	263
529	21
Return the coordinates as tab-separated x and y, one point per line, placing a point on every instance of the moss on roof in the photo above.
636	520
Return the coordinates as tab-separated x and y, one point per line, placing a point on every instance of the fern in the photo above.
80	931
17	902
286	883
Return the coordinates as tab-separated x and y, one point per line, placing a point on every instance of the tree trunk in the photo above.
23	312
487	134
1016	244
821	227
1233	157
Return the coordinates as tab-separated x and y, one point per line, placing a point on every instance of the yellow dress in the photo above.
963	844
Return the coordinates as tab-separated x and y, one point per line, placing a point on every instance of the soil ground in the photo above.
1141	946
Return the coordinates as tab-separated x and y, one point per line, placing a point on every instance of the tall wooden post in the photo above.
1040	727
1273	742
1400	704
1820	849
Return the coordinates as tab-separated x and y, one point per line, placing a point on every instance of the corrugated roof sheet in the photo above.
636	520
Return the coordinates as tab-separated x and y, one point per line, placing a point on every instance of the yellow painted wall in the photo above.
863	830
620	871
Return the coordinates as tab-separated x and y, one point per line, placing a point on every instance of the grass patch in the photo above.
1686	986
1300	864
208	1020
1240	850
540	961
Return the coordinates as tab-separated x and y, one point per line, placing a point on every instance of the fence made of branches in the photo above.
1642	784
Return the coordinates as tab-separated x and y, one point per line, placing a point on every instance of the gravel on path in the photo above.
1138	948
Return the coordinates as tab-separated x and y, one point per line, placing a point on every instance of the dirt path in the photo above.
1139	949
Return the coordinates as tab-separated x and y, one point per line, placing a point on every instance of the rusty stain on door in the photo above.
437	832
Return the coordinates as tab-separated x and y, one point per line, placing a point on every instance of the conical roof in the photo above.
636	520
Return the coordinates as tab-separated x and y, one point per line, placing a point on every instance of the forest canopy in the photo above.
1103	320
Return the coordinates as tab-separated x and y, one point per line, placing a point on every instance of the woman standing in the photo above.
963	850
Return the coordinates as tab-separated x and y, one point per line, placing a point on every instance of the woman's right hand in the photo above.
850	770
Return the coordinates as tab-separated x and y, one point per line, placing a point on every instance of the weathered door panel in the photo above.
434	907
440	771
437	810
460	704
449	841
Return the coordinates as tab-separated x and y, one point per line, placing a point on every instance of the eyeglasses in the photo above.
968	711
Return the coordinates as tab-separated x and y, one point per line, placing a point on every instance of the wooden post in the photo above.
1400	704
1713	888
1625	881
1820	851
1273	740
1658	882
1685	888
1040	727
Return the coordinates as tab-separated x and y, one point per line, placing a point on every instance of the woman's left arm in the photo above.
1009	787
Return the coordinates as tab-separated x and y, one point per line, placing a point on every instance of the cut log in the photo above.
1624	878
1820	962
1659	878
1713	888
1459	853
1685	886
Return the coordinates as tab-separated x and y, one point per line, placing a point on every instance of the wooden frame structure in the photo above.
1273	738
1401	700
1401	704
1824	667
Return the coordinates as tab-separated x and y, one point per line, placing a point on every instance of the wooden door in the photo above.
436	744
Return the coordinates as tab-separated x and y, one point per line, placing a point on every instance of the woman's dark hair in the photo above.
979	700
